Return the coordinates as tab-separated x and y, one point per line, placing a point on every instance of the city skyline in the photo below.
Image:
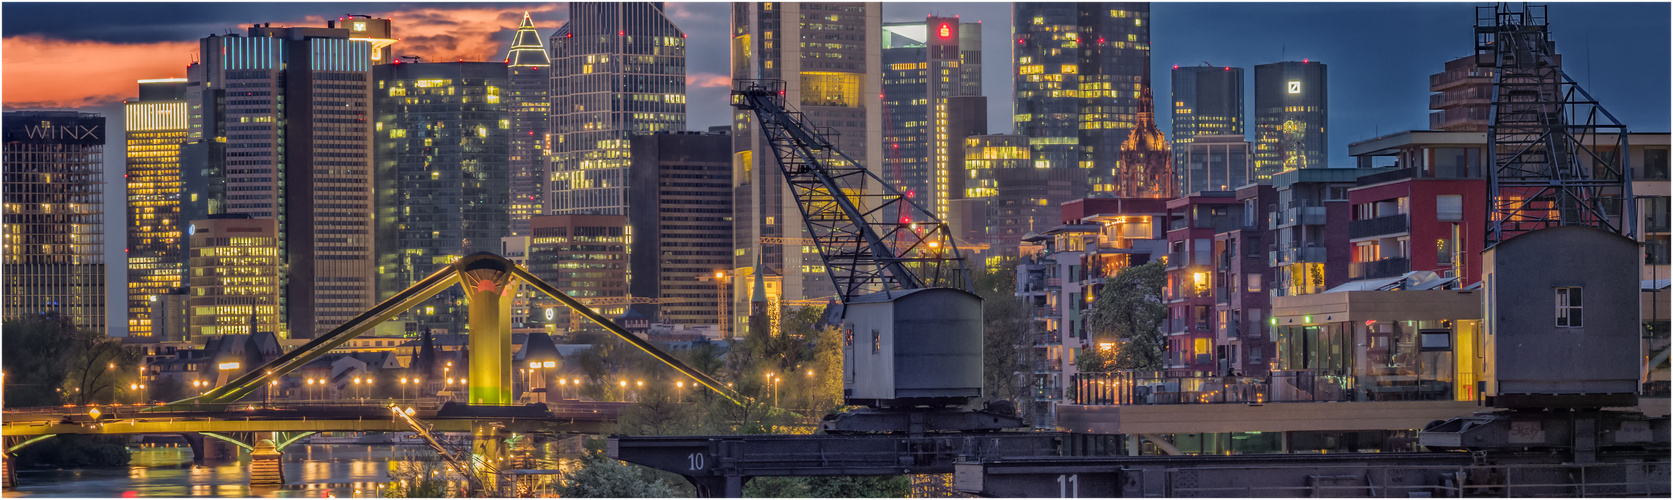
145	41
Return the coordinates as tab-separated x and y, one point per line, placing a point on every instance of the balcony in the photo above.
1471	96
1385	225
1306	216
1392	175
1386	268
1455	78
1177	260
1298	255
1046	313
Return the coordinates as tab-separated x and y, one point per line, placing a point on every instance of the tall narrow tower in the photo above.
527	99
156	132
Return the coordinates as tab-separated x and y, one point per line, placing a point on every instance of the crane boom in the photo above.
847	208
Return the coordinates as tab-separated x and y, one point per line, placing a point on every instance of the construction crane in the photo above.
849	211
776	240
1557	154
899	274
1559	222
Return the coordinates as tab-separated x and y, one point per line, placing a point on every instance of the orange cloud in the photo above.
468	33
707	80
41	72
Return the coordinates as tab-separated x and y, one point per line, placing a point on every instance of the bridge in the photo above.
490	284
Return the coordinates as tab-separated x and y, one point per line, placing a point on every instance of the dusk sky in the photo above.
1380	55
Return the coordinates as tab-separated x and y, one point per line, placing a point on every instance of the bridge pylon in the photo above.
489	290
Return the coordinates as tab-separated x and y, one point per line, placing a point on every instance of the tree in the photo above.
416	477
826	365
599	476
1007	342
37	361
1129	313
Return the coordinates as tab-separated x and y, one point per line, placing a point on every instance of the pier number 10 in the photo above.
696	460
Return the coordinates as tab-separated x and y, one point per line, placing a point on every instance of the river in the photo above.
311	471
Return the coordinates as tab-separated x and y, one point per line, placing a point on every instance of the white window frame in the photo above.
1570	301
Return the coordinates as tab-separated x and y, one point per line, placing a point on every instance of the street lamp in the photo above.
403	388
775	387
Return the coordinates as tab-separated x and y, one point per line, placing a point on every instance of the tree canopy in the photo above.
1128	314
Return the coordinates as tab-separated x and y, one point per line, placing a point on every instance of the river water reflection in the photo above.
311	471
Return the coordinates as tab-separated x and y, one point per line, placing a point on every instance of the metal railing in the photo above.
1392	175
1153	388
1386	268
1387	224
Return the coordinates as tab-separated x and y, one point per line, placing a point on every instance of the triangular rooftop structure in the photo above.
526	49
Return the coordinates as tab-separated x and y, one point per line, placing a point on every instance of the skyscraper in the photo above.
527	98
54	217
925	65
1207	100
1018	196
584	256
1215	163
235	276
1080	68
156	131
618	69
282	119
681	218
441	173
832	70
1291	104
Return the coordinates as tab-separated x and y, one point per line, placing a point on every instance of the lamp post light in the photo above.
775	387
403	388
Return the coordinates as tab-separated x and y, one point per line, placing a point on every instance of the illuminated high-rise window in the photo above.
156	125
443	176
932	99
1206	100
234	277
54	216
618	69
1081	67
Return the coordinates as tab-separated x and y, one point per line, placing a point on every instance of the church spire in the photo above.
525	46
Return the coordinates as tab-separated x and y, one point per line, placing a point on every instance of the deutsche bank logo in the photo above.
1295	87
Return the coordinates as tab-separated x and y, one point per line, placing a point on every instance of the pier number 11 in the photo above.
1068	486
